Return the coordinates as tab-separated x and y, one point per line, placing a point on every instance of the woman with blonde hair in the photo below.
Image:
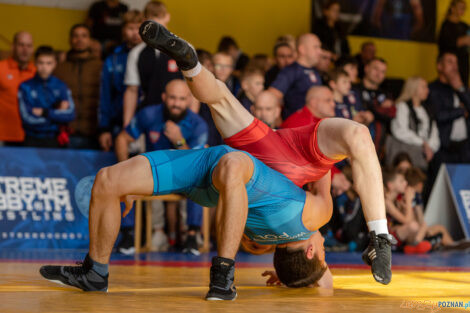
413	129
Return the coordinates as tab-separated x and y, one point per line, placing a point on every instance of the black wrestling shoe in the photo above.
222	277
158	37
81	276
379	256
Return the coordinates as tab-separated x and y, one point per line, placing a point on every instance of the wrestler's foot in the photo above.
81	276
222	276
158	37
379	256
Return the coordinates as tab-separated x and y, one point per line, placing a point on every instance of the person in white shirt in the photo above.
412	124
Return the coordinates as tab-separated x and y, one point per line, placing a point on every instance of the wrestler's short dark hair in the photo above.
295	270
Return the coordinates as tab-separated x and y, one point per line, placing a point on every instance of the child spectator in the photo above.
229	46
350	66
402	221
45	103
252	83
347	106
437	234
402	162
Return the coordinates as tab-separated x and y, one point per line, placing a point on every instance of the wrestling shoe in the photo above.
158	37
419	248
379	256
222	276
81	276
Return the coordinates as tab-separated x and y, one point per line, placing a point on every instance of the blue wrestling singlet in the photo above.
275	204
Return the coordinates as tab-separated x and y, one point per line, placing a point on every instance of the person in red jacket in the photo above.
303	154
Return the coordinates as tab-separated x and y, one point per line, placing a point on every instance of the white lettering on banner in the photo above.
465	195
35	198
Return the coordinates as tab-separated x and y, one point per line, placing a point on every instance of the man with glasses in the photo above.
223	69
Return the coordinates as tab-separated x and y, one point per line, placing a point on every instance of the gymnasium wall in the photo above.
203	23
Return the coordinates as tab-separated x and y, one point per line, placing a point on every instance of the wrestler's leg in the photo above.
133	176
340	138
230	175
229	115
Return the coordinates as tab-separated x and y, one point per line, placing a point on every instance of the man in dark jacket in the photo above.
81	73
449	102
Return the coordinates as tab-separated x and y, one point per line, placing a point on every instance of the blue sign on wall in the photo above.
44	196
459	175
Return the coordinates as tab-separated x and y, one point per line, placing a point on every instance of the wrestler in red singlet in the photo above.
293	152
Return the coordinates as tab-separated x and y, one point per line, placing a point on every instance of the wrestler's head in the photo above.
302	263
177	98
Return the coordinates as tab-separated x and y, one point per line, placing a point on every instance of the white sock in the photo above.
194	71
379	226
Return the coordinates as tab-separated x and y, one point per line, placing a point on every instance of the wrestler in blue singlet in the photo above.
275	204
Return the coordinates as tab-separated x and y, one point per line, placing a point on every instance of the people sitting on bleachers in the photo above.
46	104
293	81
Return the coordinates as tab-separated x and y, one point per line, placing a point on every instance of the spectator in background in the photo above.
45	103
454	37
402	222
367	54
324	65
349	65
105	19
347	106
294	81
14	71
147	68
284	54
260	61
205	58
229	46
81	73
329	32
223	70
170	125
402	162
449	101
252	83
376	100
319	104
267	108
413	125
112	81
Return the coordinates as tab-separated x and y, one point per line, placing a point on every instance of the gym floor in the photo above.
165	282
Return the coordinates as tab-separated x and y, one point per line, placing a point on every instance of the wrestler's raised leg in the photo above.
229	115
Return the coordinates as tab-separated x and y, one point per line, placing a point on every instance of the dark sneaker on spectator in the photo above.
191	246
81	276
222	280
158	37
